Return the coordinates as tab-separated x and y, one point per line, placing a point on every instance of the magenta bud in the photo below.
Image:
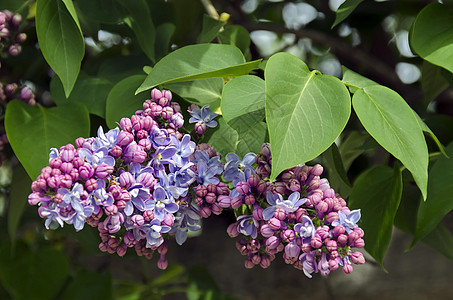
316	242
357	258
205	211
314	184
162	263
359	243
169	220
266	150
77	162
121	204
280	214
331	245
148	215
167	94
135	120
11	88
167	112
331	217
201	191
124	138
210	198
242	188
248	264
66	167
198	201
274	223
266	231
55	163
253	180
232	230
265	262
317	170
288	235
200	127
127	180
156	94
338	230
216	209
323	232
272	242
91	184
111	210
75	174
333	264
236	202
15	50
359	231
224	201
55	172
126	125
103	171
21	37
249	199
103	247
329	193
137	220
65	181
347	269
16	20
79	142
116	151
257	212
294	185
142	134
352	237
86	171
121	250
262	187
342	239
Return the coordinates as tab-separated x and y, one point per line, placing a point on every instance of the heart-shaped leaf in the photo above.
305	111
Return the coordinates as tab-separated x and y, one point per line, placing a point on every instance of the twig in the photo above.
210	9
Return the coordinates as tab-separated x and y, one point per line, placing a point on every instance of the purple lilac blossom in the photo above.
204	115
247	225
237	170
348	221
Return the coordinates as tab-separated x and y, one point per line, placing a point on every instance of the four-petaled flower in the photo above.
204	115
348	221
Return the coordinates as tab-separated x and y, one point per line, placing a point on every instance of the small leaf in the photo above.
91	91
243	102
351	147
20	189
60	40
305	111
431	35
122	101
440	189
200	92
209	29
391	122
377	192
236	35
44	128
345	9
198	62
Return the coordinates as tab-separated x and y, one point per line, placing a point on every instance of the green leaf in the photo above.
236	35
117	68
431	35
440	239
103	11
200	92
100	286
43	128
223	138
71	9
305	111
391	122
122	101
20	189
433	82
139	19
426	129
243	102
210	29
345	9
440	189
91	91
29	275
164	32
198	62
60	40
377	192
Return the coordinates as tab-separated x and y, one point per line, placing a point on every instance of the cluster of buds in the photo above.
10	36
12	91
145	182
299	214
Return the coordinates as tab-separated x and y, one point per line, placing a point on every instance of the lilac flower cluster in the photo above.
134	183
145	182
10	36
299	214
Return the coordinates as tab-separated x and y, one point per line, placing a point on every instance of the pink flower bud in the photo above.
224	201
249	199
200	127
288	235
274	223
257	212
148	215
316	242
359	243
280	214
103	171
242	187
124	138
210	198
236	202
205	211
156	94
232	230
272	242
